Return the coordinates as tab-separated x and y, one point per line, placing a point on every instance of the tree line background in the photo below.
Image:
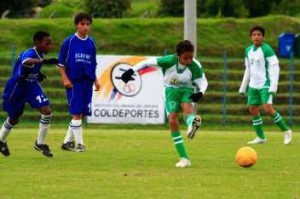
160	8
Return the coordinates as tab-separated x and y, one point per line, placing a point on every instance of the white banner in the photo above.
140	101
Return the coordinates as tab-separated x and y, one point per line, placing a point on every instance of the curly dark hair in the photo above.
184	46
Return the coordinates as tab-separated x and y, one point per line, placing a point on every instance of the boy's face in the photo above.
45	45
186	57
257	37
83	27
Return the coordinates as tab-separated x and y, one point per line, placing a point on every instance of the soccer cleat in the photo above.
257	140
80	148
287	137
44	149
192	129
183	162
69	146
4	148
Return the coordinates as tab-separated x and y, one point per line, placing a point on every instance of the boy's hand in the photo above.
195	97
67	83
97	85
53	61
127	76
41	77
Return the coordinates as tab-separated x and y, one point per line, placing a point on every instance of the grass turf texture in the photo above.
123	163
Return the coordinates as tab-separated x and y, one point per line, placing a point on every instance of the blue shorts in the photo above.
80	97
14	98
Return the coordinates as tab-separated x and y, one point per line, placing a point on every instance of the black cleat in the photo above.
80	148
4	148
69	146
44	149
192	130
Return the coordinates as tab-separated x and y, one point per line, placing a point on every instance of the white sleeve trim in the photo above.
29	66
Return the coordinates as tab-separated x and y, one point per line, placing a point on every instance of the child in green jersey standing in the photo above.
261	78
182	76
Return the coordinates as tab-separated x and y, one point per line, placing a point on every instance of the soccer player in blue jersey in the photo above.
23	87
77	66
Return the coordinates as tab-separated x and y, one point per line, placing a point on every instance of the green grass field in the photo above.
127	163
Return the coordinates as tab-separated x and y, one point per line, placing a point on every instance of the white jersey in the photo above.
261	69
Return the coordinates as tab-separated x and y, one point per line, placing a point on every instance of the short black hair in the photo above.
257	28
40	35
82	16
184	46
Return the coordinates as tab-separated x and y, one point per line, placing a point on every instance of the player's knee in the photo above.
46	110
13	121
254	110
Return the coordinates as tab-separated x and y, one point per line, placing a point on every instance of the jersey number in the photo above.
41	98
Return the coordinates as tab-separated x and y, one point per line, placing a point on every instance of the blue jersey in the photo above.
78	56
22	72
22	86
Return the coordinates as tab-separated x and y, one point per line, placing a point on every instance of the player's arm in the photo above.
273	71
30	62
127	75
246	77
200	80
65	79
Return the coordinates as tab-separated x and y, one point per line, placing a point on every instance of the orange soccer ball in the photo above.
246	157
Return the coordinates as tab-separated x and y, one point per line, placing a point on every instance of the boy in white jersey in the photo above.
182	75
261	78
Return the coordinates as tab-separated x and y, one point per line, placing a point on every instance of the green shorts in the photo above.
259	96
176	96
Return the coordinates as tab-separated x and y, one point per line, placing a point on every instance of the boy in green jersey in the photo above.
261	78
183	75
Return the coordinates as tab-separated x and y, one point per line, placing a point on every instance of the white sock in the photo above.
76	126
69	135
43	130
5	130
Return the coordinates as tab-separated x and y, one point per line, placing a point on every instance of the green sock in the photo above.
257	124
277	119
189	119
178	142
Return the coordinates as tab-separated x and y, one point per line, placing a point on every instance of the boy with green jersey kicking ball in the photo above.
182	75
261	78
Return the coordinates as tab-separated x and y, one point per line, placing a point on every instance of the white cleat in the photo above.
192	129
257	140
287	137
183	162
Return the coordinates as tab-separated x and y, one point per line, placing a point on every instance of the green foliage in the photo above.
173	8
151	36
107	9
17	8
61	8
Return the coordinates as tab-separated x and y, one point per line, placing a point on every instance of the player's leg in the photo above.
37	99
14	110
76	103
76	125
172	107
254	101
192	121
276	117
